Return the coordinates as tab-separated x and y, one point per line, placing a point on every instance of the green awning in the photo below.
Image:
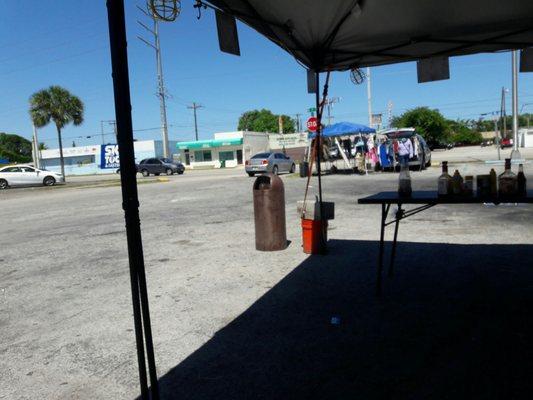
206	144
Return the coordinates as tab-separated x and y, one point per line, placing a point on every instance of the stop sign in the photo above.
312	124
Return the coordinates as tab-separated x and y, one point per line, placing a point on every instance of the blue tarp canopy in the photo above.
344	129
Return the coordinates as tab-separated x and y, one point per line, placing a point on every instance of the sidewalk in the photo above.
475	154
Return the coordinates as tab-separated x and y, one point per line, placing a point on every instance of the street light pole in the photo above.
515	154
369	97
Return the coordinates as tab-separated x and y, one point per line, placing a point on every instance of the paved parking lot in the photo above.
231	322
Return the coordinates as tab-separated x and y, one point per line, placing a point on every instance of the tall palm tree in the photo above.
60	106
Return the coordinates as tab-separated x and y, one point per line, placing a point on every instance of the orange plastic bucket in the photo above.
311	235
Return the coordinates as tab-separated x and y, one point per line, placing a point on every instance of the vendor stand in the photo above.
343	137
423	200
323	36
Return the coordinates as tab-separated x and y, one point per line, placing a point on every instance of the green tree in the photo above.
461	132
264	121
429	123
60	106
15	148
43	146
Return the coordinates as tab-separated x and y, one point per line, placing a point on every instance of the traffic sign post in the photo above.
312	124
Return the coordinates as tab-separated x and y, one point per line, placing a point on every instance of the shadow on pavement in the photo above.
454	323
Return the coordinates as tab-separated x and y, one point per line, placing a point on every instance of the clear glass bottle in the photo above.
521	181
508	182
457	183
404	185
493	183
445	181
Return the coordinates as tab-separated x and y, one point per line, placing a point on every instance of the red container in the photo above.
311	235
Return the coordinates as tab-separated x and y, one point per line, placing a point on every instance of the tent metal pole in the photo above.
130	199
318	159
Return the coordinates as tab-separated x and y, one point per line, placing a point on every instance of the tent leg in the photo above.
130	198
318	139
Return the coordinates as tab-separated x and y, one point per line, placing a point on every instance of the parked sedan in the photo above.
158	166
270	162
25	175
506	142
180	166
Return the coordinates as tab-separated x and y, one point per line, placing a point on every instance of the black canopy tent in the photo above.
343	34
331	35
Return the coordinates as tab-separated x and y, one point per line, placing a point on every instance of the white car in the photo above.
25	175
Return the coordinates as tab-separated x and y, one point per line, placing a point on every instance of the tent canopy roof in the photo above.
343	34
344	129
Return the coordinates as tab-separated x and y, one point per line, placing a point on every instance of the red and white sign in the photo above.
312	124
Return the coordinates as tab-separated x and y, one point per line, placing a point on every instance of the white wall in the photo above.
215	162
525	138
288	140
71	152
228	135
253	143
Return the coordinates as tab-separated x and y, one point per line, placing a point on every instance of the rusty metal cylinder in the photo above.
269	213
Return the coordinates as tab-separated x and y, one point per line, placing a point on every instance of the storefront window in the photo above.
204	155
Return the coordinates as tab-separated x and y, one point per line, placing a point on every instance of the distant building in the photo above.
230	149
98	159
525	137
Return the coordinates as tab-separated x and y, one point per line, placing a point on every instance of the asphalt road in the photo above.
65	306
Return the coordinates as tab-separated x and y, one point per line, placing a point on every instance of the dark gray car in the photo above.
180	166
270	162
156	166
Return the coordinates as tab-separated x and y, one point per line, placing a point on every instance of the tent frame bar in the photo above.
130	198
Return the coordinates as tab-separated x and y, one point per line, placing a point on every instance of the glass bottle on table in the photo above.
445	181
404	185
493	183
508	181
457	183
521	181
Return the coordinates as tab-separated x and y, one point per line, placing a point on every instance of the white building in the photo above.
230	149
226	149
98	159
525	138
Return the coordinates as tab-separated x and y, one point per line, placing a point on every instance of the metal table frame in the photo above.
424	200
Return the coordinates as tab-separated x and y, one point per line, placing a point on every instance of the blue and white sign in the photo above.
109	157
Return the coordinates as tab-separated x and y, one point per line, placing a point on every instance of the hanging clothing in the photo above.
384	156
416	146
405	148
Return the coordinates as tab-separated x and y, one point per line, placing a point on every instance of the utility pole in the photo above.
161	92
369	96
297	115
503	112
194	107
280	124
496	134
515	154
329	103
389	113
110	122
495	119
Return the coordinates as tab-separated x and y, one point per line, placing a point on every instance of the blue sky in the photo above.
59	42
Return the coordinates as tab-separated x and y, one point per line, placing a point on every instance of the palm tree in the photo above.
60	106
